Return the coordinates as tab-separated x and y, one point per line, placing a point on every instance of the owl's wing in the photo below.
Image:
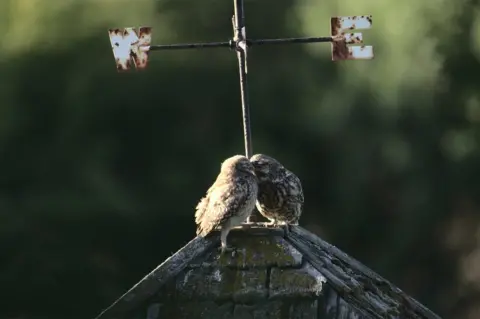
268	194
224	201
202	205
295	186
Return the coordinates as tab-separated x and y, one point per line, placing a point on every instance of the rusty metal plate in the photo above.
341	31
130	46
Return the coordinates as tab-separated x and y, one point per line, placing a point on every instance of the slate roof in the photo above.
274	273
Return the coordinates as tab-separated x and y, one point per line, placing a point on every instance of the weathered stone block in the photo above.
278	309
332	306
153	311
197	310
250	285
166	292
222	283
304	309
303	282
259	251
267	310
329	307
206	283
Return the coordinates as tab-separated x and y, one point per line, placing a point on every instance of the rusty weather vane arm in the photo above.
132	47
232	43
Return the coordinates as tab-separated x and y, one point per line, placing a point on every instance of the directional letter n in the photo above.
128	47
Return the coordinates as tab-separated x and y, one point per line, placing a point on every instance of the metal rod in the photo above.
179	46
289	40
189	46
241	47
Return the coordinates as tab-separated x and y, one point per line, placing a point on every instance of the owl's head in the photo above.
237	164
265	166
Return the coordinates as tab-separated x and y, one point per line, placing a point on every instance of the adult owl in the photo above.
280	193
229	201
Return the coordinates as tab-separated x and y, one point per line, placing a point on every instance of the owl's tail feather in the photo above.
203	230
200	210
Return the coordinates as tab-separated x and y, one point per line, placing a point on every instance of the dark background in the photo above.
100	171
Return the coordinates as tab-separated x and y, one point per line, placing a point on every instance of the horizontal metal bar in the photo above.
189	46
231	44
289	40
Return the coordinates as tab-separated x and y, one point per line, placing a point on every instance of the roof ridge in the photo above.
173	265
352	288
357	284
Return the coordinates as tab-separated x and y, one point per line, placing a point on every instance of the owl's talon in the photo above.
227	249
247	221
272	223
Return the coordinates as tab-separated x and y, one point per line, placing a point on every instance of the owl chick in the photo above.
229	201
280	194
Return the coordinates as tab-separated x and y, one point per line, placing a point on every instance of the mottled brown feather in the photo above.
280	195
230	199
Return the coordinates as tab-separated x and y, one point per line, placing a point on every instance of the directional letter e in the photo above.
128	47
341	28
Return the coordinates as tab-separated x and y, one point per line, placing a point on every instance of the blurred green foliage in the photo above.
100	171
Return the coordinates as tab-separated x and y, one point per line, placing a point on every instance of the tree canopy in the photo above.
101	171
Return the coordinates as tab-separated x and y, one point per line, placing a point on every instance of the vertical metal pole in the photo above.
241	47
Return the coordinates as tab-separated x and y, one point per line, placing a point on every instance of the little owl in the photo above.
280	194
229	201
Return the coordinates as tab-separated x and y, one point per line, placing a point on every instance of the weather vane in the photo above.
132	47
